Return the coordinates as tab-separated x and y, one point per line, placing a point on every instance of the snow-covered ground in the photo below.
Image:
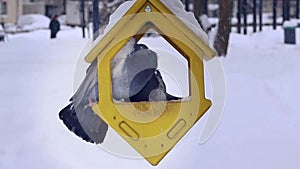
33	21
260	127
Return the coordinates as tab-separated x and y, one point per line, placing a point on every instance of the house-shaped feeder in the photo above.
151	128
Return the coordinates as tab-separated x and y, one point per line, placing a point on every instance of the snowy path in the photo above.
260	126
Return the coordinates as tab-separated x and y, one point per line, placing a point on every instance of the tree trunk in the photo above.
224	28
95	18
199	8
83	24
286	10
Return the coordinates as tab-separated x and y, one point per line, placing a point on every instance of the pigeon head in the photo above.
138	47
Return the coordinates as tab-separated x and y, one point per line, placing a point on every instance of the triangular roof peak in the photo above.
146	14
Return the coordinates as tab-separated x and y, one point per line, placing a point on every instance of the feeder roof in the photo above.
121	21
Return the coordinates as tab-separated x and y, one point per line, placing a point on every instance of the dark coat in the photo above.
54	26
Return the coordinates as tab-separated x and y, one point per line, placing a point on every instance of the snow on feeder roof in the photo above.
174	10
152	128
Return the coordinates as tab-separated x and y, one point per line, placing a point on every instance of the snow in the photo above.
188	18
175	6
113	3
33	21
62	19
205	22
213	7
290	24
114	18
259	129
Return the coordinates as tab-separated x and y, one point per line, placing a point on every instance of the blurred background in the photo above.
258	124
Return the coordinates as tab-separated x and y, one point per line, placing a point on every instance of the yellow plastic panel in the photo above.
152	128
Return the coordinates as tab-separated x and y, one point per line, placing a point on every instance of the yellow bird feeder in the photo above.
151	128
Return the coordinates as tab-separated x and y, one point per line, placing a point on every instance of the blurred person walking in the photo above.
54	26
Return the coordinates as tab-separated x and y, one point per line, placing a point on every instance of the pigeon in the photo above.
135	78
